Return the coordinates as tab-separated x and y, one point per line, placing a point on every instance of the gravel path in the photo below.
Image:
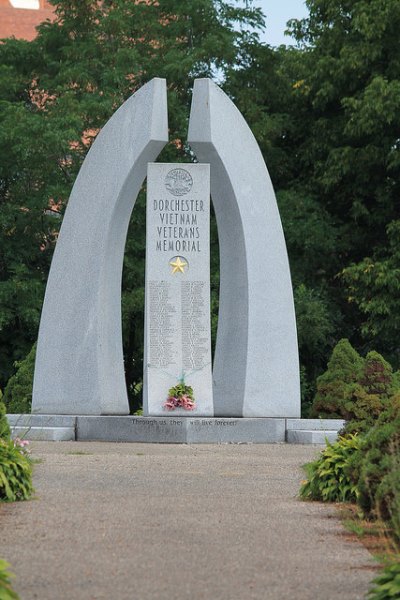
176	522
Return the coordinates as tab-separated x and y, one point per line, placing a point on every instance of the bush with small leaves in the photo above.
6	591
329	477
15	471
353	388
377	376
376	470
336	385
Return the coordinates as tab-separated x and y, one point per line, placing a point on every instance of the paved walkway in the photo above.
176	522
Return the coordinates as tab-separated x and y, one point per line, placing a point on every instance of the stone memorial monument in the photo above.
177	348
79	366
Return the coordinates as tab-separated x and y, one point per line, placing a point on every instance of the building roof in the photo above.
19	18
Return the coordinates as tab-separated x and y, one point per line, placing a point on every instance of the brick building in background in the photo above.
20	17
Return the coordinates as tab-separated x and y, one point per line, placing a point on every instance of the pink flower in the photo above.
20	443
184	402
187	403
171	403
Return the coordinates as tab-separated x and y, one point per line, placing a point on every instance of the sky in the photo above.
277	13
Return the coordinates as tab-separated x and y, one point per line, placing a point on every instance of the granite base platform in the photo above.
171	430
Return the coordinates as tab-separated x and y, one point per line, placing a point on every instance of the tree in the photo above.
267	91
373	286
345	128
352	93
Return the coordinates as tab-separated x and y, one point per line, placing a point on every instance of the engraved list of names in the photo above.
177	296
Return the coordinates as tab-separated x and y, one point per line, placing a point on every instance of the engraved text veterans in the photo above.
178	229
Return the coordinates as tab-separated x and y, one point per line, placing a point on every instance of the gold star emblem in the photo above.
178	266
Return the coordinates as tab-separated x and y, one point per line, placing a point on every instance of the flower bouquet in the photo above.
180	396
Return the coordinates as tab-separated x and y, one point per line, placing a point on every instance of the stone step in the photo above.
36	420
315	424
308	436
44	434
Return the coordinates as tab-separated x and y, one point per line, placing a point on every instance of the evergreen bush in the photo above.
353	388
376	470
336	385
18	392
361	468
377	376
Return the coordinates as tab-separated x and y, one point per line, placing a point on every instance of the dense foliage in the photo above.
348	157
354	388
377	469
363	467
367	462
15	472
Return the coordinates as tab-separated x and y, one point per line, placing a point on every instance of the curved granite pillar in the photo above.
256	370
79	365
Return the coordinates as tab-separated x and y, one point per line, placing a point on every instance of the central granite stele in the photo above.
79	375
177	347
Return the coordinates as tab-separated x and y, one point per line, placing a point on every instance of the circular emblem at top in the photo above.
178	182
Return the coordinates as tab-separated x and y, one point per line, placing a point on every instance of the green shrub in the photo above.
6	591
361	410
334	387
4	428
353	388
366	468
396	382
329	477
377	377
387	498
376	470
18	392
387	584
15	472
